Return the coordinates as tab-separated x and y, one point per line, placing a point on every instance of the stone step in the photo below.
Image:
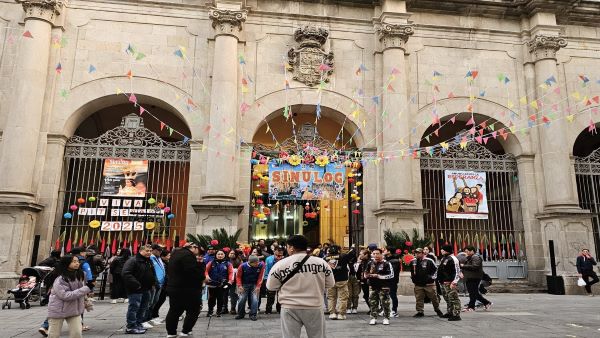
517	286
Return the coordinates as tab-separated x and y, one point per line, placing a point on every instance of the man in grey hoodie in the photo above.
301	293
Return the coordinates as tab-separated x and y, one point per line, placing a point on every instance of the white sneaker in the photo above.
354	311
171	336
394	314
126	300
114	301
157	321
386	321
349	311
373	321
341	317
147	325
122	300
333	316
381	313
181	334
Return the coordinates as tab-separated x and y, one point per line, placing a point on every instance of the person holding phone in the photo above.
585	268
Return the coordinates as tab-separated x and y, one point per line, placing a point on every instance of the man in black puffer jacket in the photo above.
423	273
139	279
184	287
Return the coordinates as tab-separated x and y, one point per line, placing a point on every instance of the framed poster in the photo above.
466	195
124	178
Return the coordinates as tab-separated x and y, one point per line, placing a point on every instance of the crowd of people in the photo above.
300	283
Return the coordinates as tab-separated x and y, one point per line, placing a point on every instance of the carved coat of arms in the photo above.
309	62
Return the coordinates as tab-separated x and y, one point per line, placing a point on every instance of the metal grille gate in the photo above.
167	183
587	174
499	238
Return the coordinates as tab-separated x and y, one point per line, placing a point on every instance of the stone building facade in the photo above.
389	65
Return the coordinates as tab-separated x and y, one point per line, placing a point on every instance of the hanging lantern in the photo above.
259	201
359	183
350	180
307	215
94	224
73	207
167	210
257	193
150	225
81	200
255	213
266	211
68	215
91	199
255	177
151	200
161	205
262	216
353	196
171	216
356	211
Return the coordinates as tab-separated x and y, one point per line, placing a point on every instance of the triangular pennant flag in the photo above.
140	56
450	95
471	121
395	71
596	99
170	131
58	68
141	110
324	67
474	74
130	74
27	34
592	127
453	119
390	88
534	104
523	100
570	117
132	98
179	53
162	125
375	99
91	69
479	139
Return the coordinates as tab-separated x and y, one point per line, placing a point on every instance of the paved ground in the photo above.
513	315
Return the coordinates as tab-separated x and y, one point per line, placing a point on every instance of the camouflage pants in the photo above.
452	300
379	298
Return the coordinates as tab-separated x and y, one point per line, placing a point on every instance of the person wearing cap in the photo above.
371	247
210	254
448	275
249	278
423	273
184	287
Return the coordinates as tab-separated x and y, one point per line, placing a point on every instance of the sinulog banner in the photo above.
306	182
466	195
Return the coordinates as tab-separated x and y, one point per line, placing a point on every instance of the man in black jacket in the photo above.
390	256
339	292
472	270
585	268
139	279
423	273
184	287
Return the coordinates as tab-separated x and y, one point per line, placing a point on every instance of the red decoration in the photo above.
255	177
226	249
398	251
68	248
259	201
307	215
161	205
135	245
405	251
113	249
124	243
356	211
103	245
408	243
255	213
81	200
408	258
214	242
350	180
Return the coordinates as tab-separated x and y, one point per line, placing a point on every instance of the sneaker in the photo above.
239	317
489	306
439	313
43	331
224	312
454	318
135	331
157	321
171	336
349	311
373	321
341	317
354	311
121	300
253	318
218	314
386	321
183	334
446	315
590	295
147	325
419	315
468	310
394	314
126	300
208	314
233	312
114	301
333	316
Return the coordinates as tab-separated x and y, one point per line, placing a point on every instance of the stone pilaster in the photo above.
18	201
219	206
394	35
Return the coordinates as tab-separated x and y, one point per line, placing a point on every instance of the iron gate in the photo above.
147	218
587	173
498	239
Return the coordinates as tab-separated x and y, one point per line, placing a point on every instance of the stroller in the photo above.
31	284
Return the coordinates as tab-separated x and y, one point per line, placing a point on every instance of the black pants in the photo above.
162	296
365	291
180	301
474	295
117	288
215	295
394	295
271	295
588	285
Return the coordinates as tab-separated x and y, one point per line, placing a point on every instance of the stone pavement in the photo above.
513	315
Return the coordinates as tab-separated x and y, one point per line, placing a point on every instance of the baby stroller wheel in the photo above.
22	305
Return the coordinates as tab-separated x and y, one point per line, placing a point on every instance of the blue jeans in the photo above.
249	292
154	293
45	324
136	311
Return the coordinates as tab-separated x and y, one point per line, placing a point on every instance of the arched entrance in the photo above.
470	187
586	153
125	180
322	210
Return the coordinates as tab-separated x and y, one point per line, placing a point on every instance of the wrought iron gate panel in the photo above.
500	237
587	176
167	182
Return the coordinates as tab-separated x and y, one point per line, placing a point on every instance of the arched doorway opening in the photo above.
124	180
586	153
321	207
470	187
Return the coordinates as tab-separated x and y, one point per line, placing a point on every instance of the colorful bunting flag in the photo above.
27	34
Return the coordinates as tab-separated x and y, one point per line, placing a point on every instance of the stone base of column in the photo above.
571	231
17	224
571	287
7	282
216	214
397	217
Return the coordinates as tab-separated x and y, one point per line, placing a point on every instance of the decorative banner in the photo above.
124	178
466	196
306	182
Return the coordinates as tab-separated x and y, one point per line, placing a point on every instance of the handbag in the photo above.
581	282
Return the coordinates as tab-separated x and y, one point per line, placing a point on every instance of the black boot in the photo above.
439	313
454	318
419	314
209	313
446	315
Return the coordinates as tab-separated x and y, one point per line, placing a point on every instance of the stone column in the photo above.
18	207
219	207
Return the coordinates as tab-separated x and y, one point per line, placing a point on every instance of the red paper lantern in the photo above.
356	212
255	177
307	215
350	180
405	251
161	205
